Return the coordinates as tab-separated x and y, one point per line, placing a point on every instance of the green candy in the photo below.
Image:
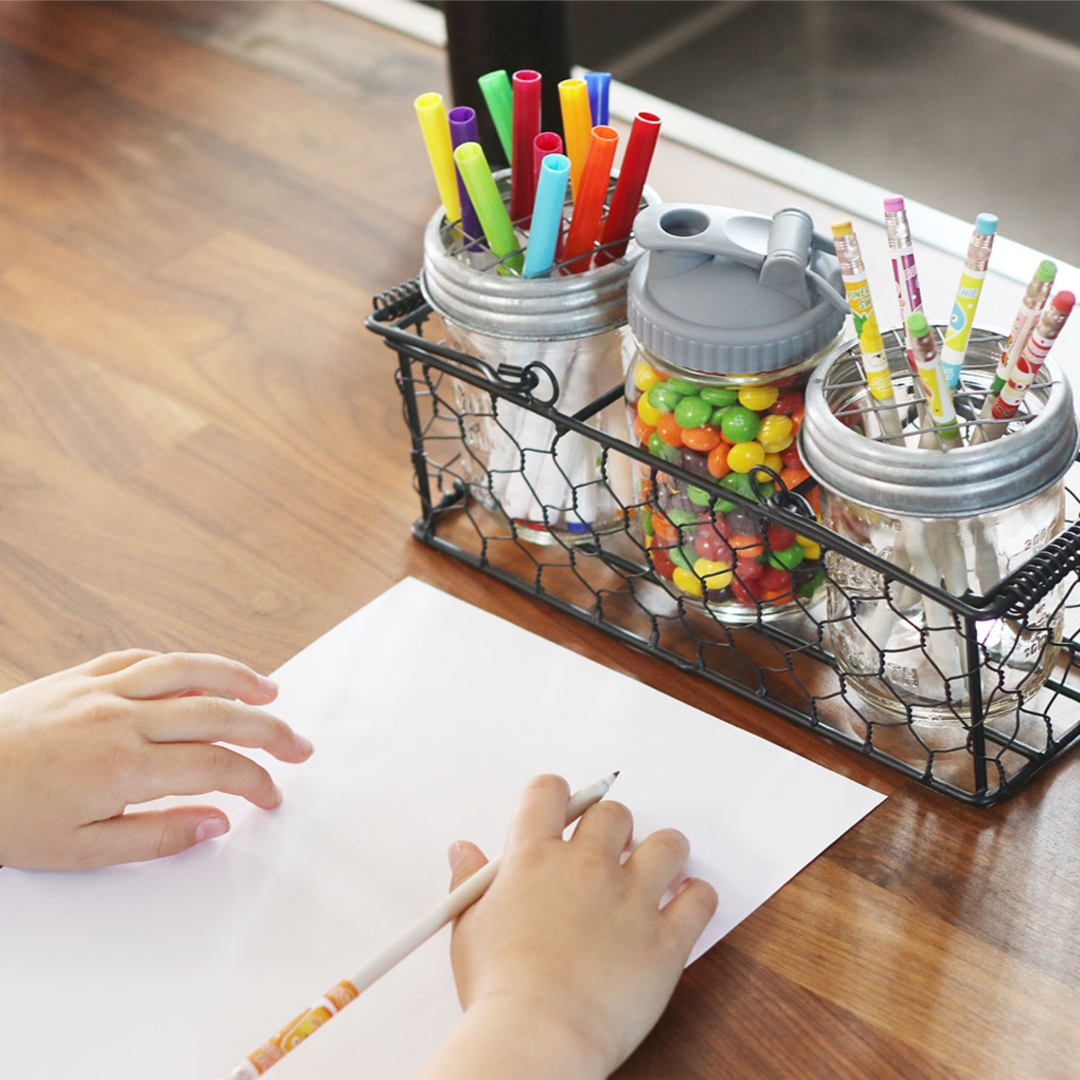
808	588
679	557
692	412
719	395
663	397
646	522
740	424
740	484
679	518
697	496
787	559
681	386
659	448
718	415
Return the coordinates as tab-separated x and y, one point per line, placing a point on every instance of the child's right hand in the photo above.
567	962
78	747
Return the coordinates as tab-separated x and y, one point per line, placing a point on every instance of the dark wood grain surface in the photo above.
202	448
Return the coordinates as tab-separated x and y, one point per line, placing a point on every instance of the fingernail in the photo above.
305	745
455	854
210	827
268	686
687	882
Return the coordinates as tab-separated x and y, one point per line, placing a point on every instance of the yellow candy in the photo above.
776	433
644	377
715	575
686	581
758	398
772	461
744	456
811	550
648	413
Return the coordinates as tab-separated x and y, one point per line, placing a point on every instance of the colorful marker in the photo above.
599	87
1030	364
1031	307
495	221
875	363
546	214
589	200
626	199
526	126
967	297
928	365
431	113
499	96
577	126
462	130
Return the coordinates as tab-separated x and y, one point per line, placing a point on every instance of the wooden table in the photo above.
202	448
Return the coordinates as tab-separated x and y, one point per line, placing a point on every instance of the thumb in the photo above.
465	859
150	835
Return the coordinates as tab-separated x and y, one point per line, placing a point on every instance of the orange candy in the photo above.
642	431
703	439
746	547
792	478
664	529
718	465
775	594
668	430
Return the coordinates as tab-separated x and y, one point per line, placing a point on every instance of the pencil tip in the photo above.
616	772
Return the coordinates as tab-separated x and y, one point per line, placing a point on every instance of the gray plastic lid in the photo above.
728	292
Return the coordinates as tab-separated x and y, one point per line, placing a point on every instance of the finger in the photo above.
196	769
465	859
658	860
112	662
685	917
214	719
169	674
607	826
541	811
152	835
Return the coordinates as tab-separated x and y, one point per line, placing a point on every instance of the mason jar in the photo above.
554	486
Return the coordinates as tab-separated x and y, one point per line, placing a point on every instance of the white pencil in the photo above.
448	909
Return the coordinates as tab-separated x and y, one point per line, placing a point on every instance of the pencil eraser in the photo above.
1047	271
1064	301
986	224
894	203
842	228
917	325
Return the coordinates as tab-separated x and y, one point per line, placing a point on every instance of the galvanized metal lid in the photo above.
468	290
934	483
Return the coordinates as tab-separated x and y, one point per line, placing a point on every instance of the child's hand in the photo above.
78	747
567	962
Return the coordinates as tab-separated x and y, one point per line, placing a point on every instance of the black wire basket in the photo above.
987	748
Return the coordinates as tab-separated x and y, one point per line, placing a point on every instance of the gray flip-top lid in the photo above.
729	292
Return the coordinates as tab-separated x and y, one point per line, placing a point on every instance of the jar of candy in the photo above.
730	312
553	486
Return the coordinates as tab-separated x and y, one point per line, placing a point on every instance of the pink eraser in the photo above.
894	203
1064	301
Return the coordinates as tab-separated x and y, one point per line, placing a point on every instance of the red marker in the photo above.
627	197
526	128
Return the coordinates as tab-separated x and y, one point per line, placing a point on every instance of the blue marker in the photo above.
599	85
546	214
967	297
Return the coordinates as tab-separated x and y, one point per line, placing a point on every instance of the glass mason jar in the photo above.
961	520
554	487
740	432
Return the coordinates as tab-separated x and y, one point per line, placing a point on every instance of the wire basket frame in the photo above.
981	754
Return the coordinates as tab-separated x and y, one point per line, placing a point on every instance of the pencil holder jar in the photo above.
561	339
915	621
731	313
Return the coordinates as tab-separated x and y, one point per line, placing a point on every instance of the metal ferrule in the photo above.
897	230
978	253
849	256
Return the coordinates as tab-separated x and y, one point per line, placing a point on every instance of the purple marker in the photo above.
462	130
905	276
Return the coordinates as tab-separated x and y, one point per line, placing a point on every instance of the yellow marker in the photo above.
577	126
436	128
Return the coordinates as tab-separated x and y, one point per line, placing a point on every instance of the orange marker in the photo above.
589	200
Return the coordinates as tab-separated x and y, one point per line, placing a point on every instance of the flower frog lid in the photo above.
728	292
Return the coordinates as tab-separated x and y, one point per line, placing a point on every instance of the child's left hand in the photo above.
78	747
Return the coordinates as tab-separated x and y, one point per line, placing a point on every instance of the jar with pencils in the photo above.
731	313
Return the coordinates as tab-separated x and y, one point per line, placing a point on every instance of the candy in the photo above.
697	496
648	413
808	588
718	415
740	424
746	546
646	522
790	457
681	386
779	537
742	521
703	437
776	433
758	398
687	581
691	460
748	568
692	411
644	376
682	557
642	431
669	430
682	518
664	529
709	544
773	462
744	456
719	395
787	402
811	549
787	559
661	563
664	397
775	578
744	591
714	575
792	478
659	448
718	465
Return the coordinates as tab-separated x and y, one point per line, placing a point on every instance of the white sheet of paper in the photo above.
428	715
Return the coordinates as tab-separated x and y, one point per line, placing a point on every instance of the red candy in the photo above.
790	457
773	578
787	403
744	591
749	568
662	563
709	544
780	539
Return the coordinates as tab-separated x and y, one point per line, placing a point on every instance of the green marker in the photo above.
489	206
495	86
